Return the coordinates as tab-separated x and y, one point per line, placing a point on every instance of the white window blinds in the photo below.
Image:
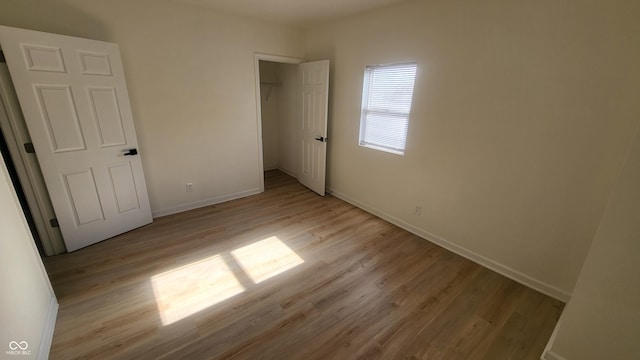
386	104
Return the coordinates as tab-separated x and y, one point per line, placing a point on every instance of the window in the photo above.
386	104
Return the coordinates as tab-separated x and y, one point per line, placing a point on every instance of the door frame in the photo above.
28	170
272	58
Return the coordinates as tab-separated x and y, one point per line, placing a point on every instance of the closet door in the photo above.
315	93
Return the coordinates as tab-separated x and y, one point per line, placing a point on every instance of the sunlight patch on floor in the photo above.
191	288
184	291
265	259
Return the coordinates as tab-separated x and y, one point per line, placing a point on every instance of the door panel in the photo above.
74	98
124	187
315	91
60	117
95	63
83	196
43	58
106	113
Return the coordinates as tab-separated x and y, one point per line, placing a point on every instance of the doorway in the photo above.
24	170
292	105
279	104
20	194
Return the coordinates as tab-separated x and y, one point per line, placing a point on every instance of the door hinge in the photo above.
28	147
2	59
54	223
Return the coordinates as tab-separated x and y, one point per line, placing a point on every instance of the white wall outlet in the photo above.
418	209
189	187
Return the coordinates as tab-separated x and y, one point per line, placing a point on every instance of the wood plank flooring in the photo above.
288	275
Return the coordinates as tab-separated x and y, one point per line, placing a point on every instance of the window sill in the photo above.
380	148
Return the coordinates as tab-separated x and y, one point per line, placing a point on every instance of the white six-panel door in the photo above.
74	98
315	93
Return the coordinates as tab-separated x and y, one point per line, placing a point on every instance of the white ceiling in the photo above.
302	13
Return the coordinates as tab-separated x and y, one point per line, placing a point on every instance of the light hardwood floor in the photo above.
288	275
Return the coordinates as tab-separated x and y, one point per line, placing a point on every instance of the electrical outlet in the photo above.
189	187
418	209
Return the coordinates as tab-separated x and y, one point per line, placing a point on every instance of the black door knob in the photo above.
131	152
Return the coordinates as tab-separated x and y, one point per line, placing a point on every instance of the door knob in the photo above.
321	139
131	152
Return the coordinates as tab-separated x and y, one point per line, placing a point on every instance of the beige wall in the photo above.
521	116
27	305
602	320
190	74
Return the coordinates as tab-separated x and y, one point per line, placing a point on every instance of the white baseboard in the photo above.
211	201
203	203
550	355
288	173
47	332
515	275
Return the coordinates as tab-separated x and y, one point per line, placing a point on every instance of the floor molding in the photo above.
47	332
288	173
203	203
550	355
513	274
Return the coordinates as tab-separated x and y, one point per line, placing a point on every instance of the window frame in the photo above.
365	109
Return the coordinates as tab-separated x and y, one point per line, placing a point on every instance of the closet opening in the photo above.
279	105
